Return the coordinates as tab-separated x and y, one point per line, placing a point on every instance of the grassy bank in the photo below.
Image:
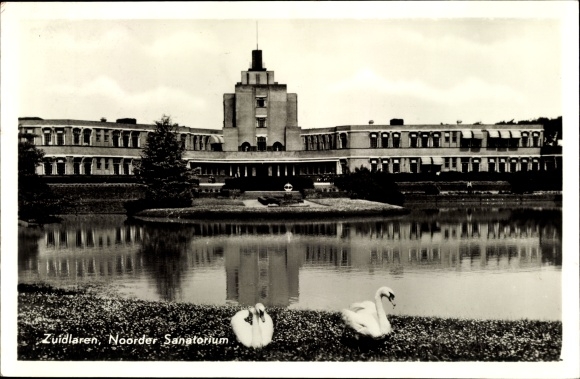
299	335
342	207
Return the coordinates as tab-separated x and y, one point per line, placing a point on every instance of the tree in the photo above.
36	201
169	181
373	186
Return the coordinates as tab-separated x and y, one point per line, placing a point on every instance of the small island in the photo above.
252	209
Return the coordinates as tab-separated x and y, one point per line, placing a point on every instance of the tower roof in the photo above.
257	64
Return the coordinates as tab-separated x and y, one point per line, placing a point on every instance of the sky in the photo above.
344	69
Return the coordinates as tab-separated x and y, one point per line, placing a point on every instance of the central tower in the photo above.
260	115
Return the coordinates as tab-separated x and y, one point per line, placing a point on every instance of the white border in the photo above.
566	11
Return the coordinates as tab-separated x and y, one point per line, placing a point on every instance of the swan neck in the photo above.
256	332
383	322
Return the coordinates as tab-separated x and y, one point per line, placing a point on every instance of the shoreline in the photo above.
231	209
93	317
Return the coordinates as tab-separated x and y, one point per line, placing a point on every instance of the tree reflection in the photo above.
164	251
28	238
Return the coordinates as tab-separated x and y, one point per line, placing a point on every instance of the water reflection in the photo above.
313	265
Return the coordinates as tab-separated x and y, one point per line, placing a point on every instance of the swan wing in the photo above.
364	306
267	329
361	322
242	329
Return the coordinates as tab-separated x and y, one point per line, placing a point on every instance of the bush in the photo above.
373	186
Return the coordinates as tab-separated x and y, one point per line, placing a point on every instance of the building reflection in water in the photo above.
263	261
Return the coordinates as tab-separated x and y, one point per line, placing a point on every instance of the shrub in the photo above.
373	186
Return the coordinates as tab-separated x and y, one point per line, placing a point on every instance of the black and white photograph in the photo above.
335	189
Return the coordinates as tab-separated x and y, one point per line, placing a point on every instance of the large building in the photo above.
261	137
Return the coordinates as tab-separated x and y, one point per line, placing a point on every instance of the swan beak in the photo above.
262	316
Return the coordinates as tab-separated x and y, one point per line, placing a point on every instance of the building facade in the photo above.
261	137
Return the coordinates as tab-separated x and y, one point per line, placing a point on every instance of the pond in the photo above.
463	263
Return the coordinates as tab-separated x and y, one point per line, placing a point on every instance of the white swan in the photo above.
368	318
265	323
259	333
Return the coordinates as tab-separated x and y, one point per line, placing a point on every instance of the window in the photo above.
446	137
88	166
525	139
414	166
412	140
106	136
447	163
116	166
87	136
116	138
425	140
475	165
245	146
385	140
454	137
454	163
125	139
436	140
98	135
47	168
396	140
373	141
77	167
261	122
29	135
464	164
524	166
491	165
492	142
385	167
261	143
135	139
183	138
501	165
343	141
60	167
106	163
513	166
99	163
76	136
47	137
260	102
396	166
374	165
60	137
535	165
536	140
126	170
465	142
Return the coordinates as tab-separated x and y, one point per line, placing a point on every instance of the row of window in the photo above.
117	138
426	139
84	166
83	137
417	165
261	145
421	140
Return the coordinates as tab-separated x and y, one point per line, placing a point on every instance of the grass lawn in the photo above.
300	335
